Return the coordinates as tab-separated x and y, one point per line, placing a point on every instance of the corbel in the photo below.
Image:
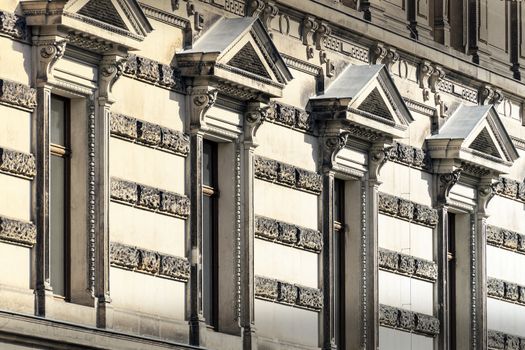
174	5
446	182
268	14
256	113
426	69
332	144
308	30
330	67
48	52
377	158
202	98
436	77
486	191
190	7
381	54
489	95
256	7
111	69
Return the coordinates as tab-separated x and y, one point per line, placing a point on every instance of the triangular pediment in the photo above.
474	135
370	98
103	10
238	52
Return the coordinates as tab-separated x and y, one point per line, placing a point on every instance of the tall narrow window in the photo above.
58	194
209	232
338	241
451	258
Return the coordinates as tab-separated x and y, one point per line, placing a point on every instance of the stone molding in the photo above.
288	234
164	17
501	341
506	239
407	265
290	117
149	134
408	321
412	156
287	175
13	25
507	291
153	72
17	95
407	210
287	293
510	189
17	163
17	232
150	198
132	258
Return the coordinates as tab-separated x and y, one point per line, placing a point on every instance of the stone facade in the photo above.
262	174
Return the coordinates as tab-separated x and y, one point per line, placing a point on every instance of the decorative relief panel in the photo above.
287	175
506	239
467	94
504	290
150	198
407	265
149	134
290	117
17	232
16	94
511	189
288	234
406	210
13	25
288	294
17	163
408	155
408	321
154	263
501	341
153	72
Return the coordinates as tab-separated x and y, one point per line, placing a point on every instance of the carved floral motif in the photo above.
406	210
501	341
13	25
408	321
17	94
288	234
510	188
153	72
287	293
407	265
504	290
408	155
17	163
506	239
18	232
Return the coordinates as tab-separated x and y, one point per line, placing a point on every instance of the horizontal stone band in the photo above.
150	198
17	232
504	290
290	117
149	134
288	234
407	210
407	265
501	341
287	175
408	321
17	163
511	189
408	155
137	259
507	239
13	25
153	72
16	94
288	293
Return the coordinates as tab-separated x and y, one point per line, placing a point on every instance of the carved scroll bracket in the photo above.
111	68
331	146
48	51
308	30
383	54
489	95
376	159
446	182
486	191
254	116
200	100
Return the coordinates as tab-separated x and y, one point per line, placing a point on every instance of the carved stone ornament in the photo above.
446	182
17	163
398	207
153	72
310	298
17	232
331	147
488	95
408	321
426	70
111	69
255	7
308	29
288	116
383	54
506	239
288	293
407	265
202	98
266	288
16	94
49	52
510	188
254	116
149	134
150	198
408	155
268	14
13	25
501	341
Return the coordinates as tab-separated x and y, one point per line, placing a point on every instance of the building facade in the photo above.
262	174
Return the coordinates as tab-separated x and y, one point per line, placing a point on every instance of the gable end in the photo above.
104	11
247	59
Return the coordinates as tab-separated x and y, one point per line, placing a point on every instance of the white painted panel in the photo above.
405	182
506	317
146	229
226	116
146	165
292	147
513	217
405	237
391	339
352	158
285	204
148	294
15	194
150	103
463	194
406	293
286	323
11	256
505	265
285	263
300	88
75	71
15	132
15	60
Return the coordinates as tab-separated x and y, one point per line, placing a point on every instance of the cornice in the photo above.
288	294
164	17
408	321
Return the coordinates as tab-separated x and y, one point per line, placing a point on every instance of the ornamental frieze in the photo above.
17	163
287	175
407	210
510	189
407	265
150	262
13	25
149	134
506	291
501	341
408	155
506	239
150	198
153	72
17	232
287	293
16	94
408	321
290	117
288	234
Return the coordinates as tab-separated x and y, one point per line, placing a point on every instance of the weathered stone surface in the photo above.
407	264
17	94
406	209
148	133
287	233
265	168
495	287
521	290
510	239
17	163
407	320
303	122
266	228
511	291
426	215
285	115
388	204
266	288
495	340
17	231
388	315
494	235
287	293
125	191
175	204
123	255
286	174
408	155
310	239
310	297
309	180
147	69
123	125
388	259
149	261
512	342
13	25
175	141
427	324
149	197
426	269
175	267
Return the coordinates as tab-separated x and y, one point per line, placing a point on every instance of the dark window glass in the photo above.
338	242
451	255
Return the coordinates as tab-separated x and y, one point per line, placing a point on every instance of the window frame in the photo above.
339	259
